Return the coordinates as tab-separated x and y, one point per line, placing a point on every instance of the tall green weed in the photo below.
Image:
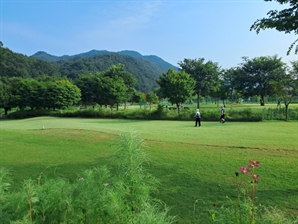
96	196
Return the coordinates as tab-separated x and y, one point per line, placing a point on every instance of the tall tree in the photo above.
112	91
71	93
61	94
5	97
89	85
229	83
284	20
287	88
206	75
258	73
139	98
21	90
151	98
176	86
129	81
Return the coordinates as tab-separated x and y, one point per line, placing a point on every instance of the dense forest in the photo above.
18	65
145	71
153	58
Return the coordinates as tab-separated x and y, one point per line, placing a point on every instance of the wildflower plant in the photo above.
242	210
248	193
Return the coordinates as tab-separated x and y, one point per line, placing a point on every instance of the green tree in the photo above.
21	90
112	91
284	20
287	88
176	86
139	98
257	74
118	71
229	83
89	85
206	75
151	98
5	97
61	94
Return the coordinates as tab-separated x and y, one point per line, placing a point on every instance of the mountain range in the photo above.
146	69
155	59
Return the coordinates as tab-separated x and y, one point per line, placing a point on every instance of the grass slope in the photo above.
191	163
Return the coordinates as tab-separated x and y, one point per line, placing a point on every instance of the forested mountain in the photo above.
18	65
52	58
157	60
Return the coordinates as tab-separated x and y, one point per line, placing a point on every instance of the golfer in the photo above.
198	118
222	116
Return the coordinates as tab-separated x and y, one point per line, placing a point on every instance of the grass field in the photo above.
190	163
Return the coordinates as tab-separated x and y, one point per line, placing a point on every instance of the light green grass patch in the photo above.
190	162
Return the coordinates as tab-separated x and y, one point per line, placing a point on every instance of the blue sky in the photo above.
173	30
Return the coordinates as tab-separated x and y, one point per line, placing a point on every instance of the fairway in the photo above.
190	162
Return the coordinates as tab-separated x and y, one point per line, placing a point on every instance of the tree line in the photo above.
110	88
261	76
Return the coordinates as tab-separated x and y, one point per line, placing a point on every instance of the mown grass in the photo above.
190	163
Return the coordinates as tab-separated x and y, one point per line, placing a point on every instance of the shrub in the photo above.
21	114
279	114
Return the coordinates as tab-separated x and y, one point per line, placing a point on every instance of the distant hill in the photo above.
145	71
155	59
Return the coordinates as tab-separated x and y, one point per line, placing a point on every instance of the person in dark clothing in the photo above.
222	116
198	118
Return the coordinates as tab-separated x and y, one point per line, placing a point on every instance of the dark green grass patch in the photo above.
54	152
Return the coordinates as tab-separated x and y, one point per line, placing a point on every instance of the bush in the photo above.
279	114
21	114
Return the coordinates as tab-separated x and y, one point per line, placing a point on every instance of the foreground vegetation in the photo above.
96	197
195	166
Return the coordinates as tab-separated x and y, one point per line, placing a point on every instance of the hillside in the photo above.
146	69
155	59
18	65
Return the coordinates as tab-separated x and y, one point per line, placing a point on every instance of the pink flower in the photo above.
253	163
244	170
255	176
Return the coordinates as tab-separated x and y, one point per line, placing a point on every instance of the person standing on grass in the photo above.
198	118
222	116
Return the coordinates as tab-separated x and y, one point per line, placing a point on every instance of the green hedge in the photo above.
161	113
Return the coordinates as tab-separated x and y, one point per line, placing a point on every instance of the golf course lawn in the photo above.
190	162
